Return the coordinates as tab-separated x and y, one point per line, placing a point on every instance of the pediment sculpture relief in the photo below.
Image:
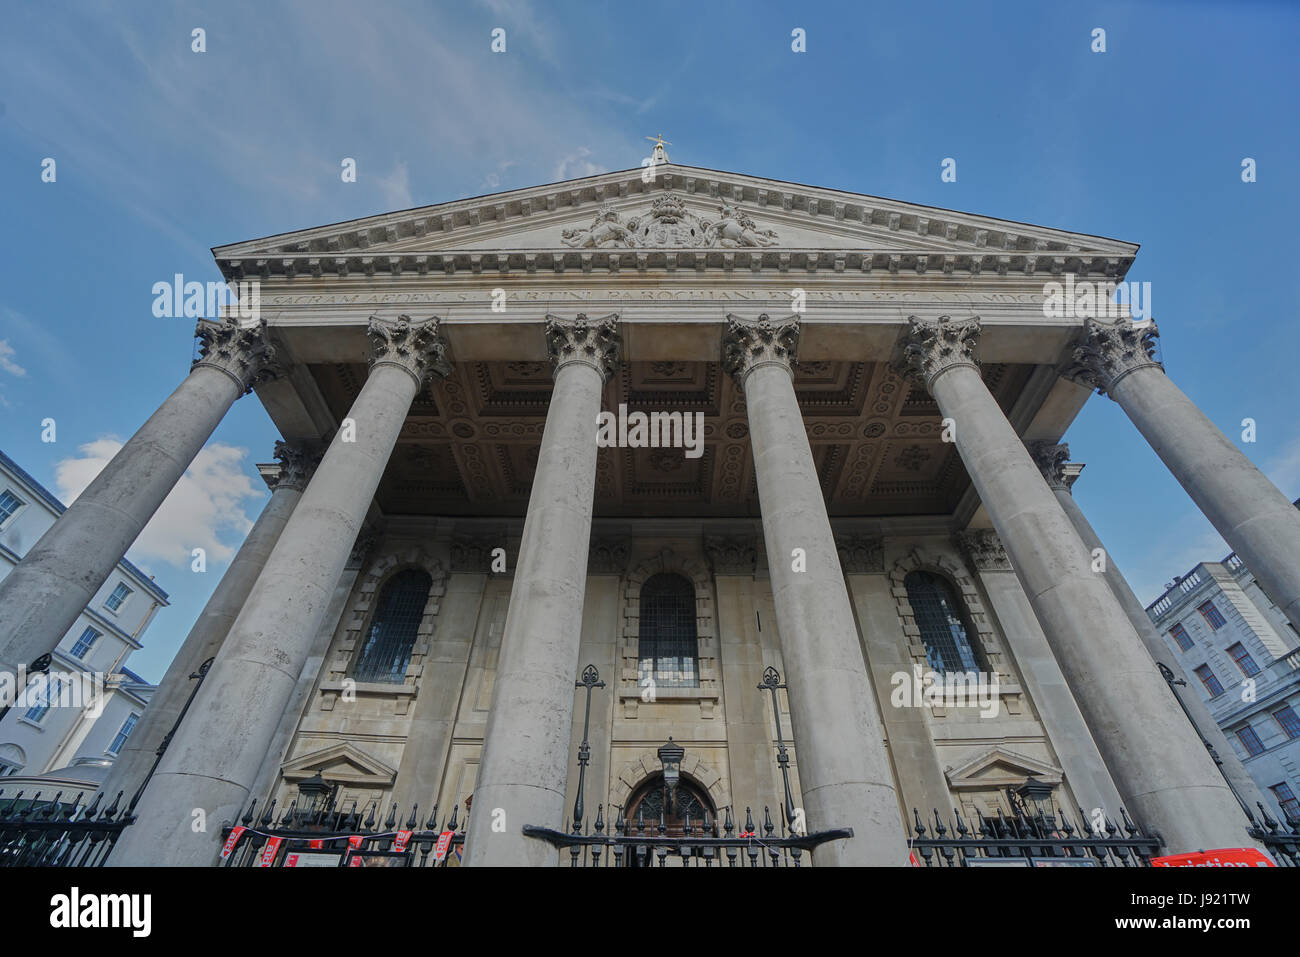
669	223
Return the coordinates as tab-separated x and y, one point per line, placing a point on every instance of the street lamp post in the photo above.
590	679
772	682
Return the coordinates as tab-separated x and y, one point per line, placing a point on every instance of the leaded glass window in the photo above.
387	649
949	644
668	646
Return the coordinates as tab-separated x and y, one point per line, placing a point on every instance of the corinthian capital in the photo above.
242	352
594	342
860	553
297	465
932	348
1050	460
414	346
1111	350
984	550
750	343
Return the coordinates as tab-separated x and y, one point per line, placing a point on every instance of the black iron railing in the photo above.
1281	839
1030	840
333	837
702	844
58	833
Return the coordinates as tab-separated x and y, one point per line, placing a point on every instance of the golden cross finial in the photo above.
659	140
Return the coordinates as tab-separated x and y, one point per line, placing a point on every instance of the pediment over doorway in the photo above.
999	768
343	763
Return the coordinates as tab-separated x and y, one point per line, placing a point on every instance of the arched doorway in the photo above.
692	799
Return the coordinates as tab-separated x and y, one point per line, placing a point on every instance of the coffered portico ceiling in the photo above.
672	257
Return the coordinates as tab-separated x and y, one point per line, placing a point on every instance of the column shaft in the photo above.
521	775
202	642
214	759
844	772
1231	766
1157	761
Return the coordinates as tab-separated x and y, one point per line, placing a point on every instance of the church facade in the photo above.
687	428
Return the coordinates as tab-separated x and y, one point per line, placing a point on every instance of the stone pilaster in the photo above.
1248	510
1158	763
214	760
42	597
1061	475
523	766
844	774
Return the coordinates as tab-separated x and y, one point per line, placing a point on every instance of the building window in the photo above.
1250	741
668	647
949	643
1209	680
1289	721
85	642
1179	634
1243	659
1286	799
114	601
123	733
1211	615
387	650
45	696
9	503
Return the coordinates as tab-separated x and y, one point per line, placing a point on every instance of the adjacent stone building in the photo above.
877	498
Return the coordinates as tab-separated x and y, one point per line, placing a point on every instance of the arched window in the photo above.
950	645
668	647
387	650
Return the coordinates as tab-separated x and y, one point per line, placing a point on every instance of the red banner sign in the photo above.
403	838
1223	857
231	841
272	848
444	842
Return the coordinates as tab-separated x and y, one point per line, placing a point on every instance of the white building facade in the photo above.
1242	658
73	732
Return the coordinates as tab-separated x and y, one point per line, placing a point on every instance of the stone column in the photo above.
843	769
915	758
214	759
522	770
205	638
43	595
1248	510
1075	748
1051	461
1154	756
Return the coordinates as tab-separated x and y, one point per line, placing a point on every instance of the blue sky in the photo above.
162	153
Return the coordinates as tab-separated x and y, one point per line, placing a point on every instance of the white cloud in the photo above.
396	188
576	165
205	509
6	359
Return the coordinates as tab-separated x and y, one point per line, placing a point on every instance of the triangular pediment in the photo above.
344	763
681	207
999	768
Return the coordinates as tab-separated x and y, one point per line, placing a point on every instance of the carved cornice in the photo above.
297	464
860	554
411	345
594	342
242	352
983	549
732	554
1111	350
1051	459
750	343
932	348
607	556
